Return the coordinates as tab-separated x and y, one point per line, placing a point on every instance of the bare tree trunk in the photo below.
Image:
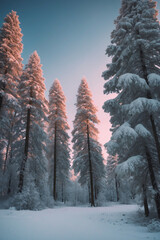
95	192
153	182
117	192
90	168
9	143
62	193
1	100
2	87
145	202
89	193
55	163
9	186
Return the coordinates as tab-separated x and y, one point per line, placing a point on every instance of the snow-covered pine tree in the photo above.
135	49
33	176
10	72
59	151
88	160
10	57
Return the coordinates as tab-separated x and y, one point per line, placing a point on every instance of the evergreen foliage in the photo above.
10	73
34	164
134	112
88	160
59	151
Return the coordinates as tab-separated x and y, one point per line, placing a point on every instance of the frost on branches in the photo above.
33	166
134	75
59	152
10	72
88	160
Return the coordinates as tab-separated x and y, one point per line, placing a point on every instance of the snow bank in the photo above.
81	223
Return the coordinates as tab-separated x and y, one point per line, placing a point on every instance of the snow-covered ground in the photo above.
115	222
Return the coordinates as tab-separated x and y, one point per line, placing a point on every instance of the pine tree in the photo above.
59	152
88	160
10	57
33	167
10	72
132	74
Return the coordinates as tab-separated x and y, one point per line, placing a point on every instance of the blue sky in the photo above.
70	37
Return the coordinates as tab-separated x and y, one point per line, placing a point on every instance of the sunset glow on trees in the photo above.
71	142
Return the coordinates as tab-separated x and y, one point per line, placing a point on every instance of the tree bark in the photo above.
117	192
153	182
62	193
90	168
55	163
9	143
95	192
9	186
1	100
2	87
145	202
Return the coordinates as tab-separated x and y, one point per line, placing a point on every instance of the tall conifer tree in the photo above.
133	74
10	57
59	152
88	160
33	167
10	72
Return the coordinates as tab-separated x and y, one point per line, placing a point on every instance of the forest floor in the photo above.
113	222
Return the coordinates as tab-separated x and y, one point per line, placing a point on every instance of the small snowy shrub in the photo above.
154	226
27	200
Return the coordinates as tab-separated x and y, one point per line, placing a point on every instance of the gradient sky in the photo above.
70	37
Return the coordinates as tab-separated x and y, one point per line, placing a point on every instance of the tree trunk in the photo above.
117	192
55	163
62	193
149	96
9	143
9	186
21	176
145	202
2	88
153	182
90	168
26	148
1	100
95	192
7	152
